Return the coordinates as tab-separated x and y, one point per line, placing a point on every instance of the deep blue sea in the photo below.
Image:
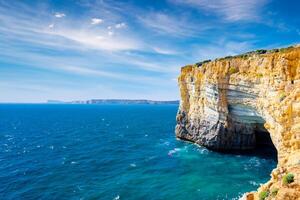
114	152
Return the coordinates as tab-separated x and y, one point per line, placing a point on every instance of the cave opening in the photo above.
245	116
264	146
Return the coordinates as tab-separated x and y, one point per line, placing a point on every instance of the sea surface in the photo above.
114	152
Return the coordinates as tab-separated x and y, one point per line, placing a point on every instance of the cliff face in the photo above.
227	104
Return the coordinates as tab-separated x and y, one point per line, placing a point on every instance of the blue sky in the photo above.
84	49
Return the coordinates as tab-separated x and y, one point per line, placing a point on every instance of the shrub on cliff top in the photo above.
288	178
263	195
199	64
274	192
285	49
233	70
261	51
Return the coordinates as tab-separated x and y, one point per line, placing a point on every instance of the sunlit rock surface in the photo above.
226	103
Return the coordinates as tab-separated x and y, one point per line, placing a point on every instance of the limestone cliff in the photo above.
226	104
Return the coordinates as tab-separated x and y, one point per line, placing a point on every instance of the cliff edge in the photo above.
230	103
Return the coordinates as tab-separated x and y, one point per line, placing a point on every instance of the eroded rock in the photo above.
225	103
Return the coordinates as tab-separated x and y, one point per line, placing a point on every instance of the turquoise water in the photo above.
114	152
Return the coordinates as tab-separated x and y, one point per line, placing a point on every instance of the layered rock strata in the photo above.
226	103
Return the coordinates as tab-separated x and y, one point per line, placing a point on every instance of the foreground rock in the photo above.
229	103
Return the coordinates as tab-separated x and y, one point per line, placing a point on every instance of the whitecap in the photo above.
203	151
116	198
167	143
146	135
51	147
171	152
150	158
254	183
73	162
132	165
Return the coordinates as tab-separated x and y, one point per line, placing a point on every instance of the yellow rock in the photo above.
225	102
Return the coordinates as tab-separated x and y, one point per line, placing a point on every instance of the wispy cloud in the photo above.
51	26
229	10
59	15
168	24
95	21
74	32
165	51
221	48
120	25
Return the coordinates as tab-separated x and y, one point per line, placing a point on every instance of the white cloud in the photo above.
120	25
95	21
68	33
229	10
172	25
110	33
165	51
51	26
109	27
59	15
100	37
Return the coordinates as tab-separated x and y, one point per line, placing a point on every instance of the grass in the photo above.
263	195
288	178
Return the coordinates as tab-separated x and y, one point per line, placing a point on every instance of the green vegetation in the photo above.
274	50
274	192
288	178
282	96
263	195
285	49
261	51
260	75
246	55
198	64
233	70
243	56
227	57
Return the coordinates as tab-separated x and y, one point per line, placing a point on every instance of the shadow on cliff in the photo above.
264	147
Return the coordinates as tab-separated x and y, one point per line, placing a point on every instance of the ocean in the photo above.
114	152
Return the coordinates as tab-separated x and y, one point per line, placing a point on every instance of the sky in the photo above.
90	49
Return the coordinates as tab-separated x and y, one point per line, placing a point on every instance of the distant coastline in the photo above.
113	101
